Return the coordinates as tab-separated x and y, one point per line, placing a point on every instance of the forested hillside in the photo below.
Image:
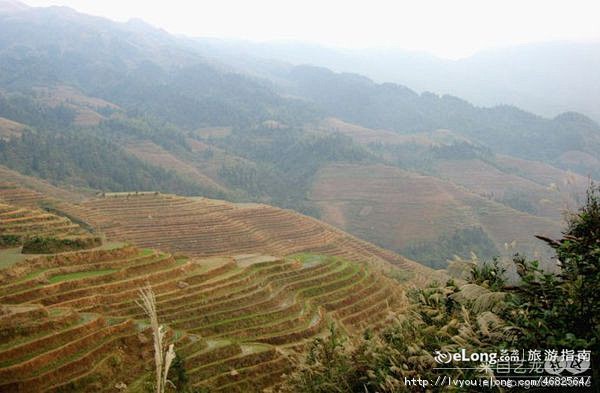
105	106
505	129
545	78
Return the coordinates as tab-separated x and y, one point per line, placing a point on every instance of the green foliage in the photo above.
52	245
286	162
563	310
460	151
79	275
462	242
519	201
389	106
328	366
178	376
160	77
23	108
411	156
147	128
179	380
490	275
400	275
199	95
404	349
87	160
8	240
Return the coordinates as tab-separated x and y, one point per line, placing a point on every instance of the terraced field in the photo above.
14	194
396	208
29	191
60	350
10	129
204	227
17	224
545	196
69	322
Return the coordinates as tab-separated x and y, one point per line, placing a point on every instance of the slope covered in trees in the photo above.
87	160
505	129
108	106
544	78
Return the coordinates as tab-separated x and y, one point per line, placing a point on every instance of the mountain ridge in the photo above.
152	112
533	76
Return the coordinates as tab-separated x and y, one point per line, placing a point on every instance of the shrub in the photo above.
53	245
489	274
10	240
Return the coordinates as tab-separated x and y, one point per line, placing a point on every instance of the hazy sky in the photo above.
448	28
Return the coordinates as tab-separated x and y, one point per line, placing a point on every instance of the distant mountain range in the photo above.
544	78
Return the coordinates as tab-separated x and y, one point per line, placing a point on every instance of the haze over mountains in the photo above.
545	78
103	106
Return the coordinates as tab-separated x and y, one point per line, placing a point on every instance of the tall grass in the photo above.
163	357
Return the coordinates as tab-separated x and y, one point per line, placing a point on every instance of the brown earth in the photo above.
396	208
235	320
9	128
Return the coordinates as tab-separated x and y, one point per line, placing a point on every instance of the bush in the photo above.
10	240
53	245
490	274
563	310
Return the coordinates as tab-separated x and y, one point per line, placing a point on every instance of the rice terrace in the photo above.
299	196
70	321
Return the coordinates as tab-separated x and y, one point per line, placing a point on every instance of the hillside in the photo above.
433	193
189	215
94	106
151	152
38	231
505	129
134	67
544	78
205	227
69	321
13	183
84	325
457	158
412	213
9	128
146	71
